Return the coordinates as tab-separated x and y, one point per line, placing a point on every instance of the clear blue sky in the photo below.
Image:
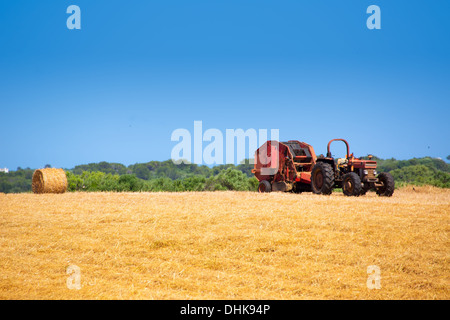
137	70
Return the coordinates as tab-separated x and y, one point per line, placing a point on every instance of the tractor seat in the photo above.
342	161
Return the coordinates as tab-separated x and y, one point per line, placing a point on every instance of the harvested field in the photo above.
225	245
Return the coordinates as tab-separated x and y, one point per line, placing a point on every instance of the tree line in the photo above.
167	176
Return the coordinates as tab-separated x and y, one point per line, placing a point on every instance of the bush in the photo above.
229	179
253	182
129	182
195	183
93	181
160	184
422	174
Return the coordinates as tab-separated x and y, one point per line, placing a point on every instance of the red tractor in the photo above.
355	176
294	166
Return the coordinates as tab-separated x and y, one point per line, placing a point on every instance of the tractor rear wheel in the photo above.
322	178
351	184
387	189
264	186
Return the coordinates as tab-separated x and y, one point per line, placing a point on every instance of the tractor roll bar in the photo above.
328	147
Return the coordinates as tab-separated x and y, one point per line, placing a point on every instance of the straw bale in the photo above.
49	180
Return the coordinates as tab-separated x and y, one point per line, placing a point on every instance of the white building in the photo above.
5	170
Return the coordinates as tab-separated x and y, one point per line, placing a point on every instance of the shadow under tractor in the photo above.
293	166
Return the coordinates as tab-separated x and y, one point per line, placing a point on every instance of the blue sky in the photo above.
137	70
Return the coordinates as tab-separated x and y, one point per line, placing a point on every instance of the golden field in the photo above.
225	245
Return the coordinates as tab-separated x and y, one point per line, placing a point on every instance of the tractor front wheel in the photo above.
364	189
388	185
351	184
264	186
322	178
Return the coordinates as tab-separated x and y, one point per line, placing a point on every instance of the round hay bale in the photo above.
49	180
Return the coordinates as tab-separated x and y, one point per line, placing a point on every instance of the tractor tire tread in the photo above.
328	178
356	181
389	185
267	186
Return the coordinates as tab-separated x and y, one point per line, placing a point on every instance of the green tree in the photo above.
129	182
141	171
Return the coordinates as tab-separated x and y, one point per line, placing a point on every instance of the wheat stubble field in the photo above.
225	245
